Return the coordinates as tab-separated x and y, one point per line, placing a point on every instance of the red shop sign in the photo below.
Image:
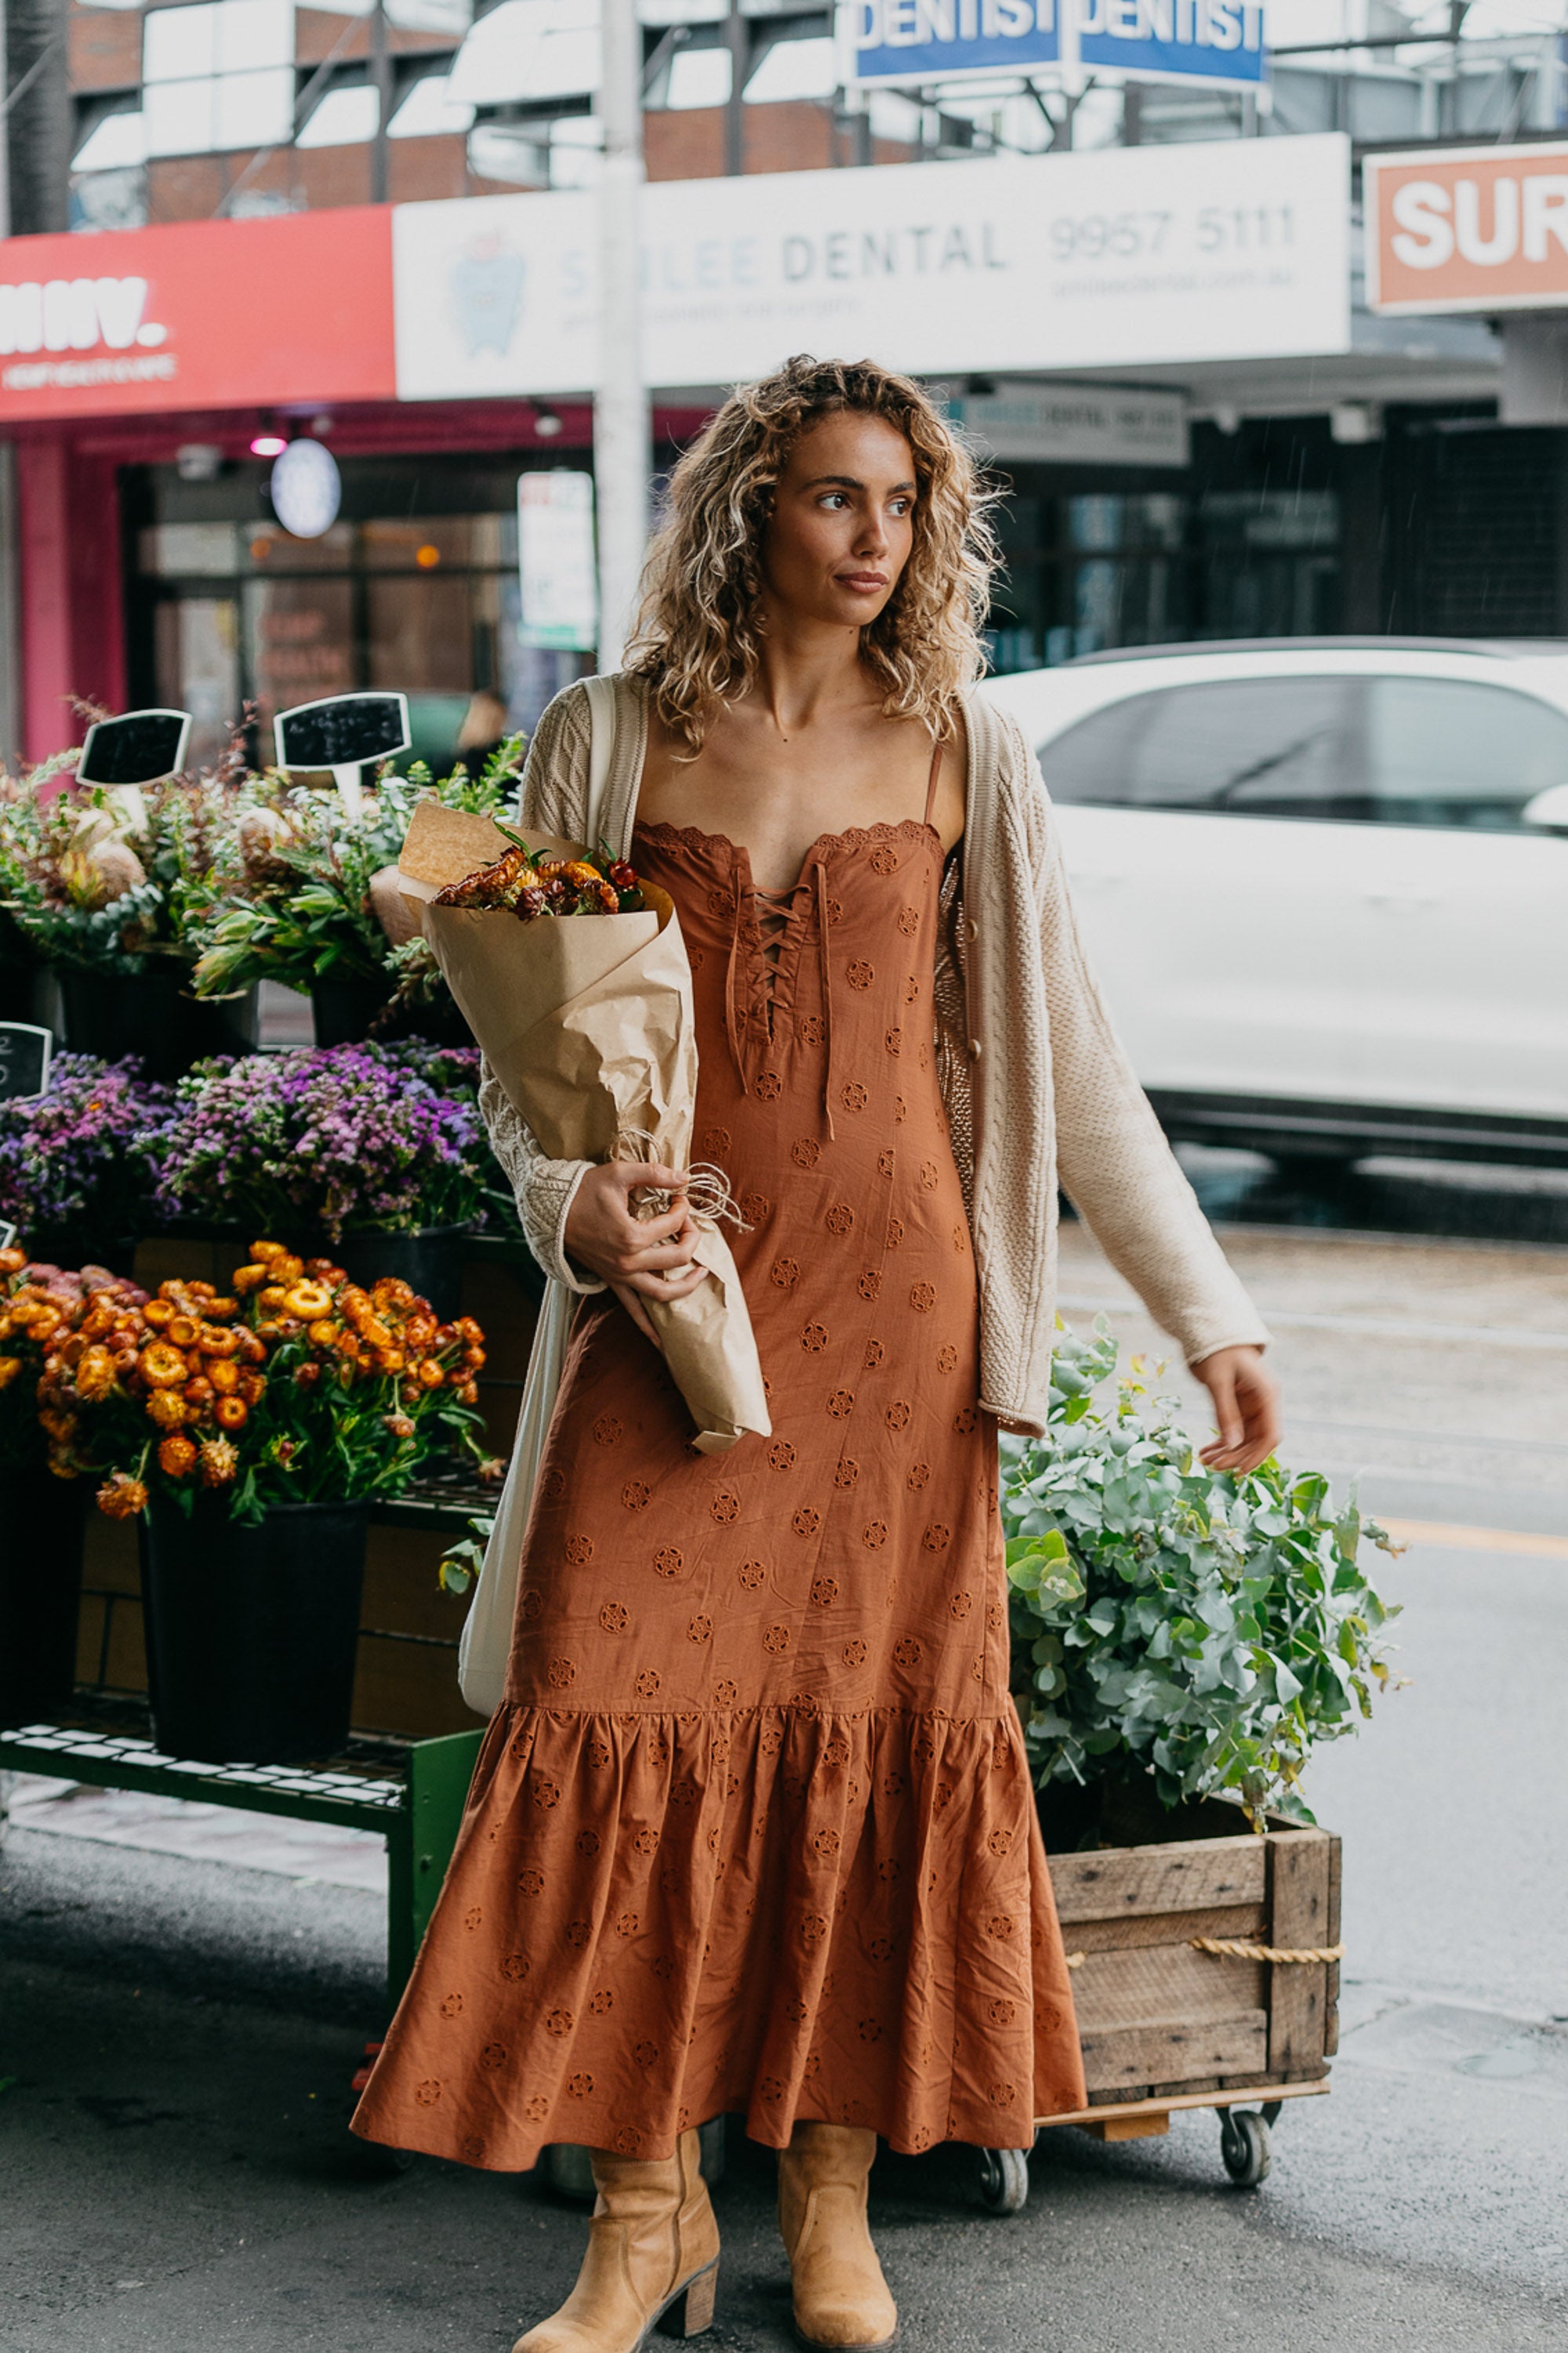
198	314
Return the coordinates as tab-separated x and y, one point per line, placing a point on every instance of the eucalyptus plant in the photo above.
1175	1621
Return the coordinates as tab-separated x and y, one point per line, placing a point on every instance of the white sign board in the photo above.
1077	424
1052	262
558	586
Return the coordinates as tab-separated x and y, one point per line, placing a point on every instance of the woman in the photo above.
754	1829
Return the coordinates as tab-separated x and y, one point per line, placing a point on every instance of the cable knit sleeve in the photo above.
553	794
1114	1163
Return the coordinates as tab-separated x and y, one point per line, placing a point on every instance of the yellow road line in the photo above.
1461	1539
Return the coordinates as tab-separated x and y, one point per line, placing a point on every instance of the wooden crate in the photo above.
1160	2020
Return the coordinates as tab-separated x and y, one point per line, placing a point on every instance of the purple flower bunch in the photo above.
330	1137
76	1163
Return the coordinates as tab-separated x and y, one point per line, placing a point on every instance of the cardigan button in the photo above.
974	1049
971	928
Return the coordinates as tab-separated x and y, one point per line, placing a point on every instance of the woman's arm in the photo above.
553	792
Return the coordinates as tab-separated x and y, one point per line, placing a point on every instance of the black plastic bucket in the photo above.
150	1015
252	1632
347	1013
42	1522
430	1262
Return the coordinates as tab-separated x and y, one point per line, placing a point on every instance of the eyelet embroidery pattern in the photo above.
795	1757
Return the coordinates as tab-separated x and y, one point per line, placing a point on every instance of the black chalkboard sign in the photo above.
25	1052
343	731
141	748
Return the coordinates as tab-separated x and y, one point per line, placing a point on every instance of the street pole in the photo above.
622	426
12	729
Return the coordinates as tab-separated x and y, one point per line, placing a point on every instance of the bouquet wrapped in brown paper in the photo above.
588	1025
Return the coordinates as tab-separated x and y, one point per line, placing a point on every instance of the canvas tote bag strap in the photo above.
486	1646
602	751
485	1649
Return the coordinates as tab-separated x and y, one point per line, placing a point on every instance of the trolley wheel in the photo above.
1005	2179
1244	2147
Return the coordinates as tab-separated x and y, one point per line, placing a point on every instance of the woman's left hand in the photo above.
1246	1407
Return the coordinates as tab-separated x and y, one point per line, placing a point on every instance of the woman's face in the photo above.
842	521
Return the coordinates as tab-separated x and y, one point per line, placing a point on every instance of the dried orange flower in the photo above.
177	1456
219	1460
121	1497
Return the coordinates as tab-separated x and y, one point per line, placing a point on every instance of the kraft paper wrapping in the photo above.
588	1024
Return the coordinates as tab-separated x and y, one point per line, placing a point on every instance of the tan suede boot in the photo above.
653	2242
841	2299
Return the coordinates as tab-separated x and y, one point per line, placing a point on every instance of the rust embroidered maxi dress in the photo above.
754	1829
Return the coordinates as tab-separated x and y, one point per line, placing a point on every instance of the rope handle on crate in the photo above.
1237	1948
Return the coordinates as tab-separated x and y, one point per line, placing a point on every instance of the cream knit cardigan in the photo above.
1038	1091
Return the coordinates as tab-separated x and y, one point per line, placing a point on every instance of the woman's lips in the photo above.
863	581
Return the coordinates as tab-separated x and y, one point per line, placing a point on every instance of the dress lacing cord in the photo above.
731	1017
821	873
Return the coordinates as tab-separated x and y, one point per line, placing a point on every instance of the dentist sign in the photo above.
1218	43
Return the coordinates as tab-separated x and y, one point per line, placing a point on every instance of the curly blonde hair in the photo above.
699	632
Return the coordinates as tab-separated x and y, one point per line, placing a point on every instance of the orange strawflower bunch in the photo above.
49	1318
295	1386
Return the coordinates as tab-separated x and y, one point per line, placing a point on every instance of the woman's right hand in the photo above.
639	1257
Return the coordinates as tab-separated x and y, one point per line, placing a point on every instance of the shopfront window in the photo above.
1088	571
415	588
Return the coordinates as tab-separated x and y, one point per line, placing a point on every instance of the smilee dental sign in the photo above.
1056	262
1210	41
1468	229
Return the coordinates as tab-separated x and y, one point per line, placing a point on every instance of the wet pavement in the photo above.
180	2012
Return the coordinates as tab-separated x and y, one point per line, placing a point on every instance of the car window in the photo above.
1450	752
1245	747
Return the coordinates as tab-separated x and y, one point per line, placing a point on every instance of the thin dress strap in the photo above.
931	780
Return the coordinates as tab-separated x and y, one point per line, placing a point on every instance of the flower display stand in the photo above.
409	1792
1205	1975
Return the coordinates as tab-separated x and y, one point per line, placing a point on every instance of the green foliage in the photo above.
1172	1621
102	879
291	899
464	1556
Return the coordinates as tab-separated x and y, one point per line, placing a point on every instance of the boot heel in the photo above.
692	2310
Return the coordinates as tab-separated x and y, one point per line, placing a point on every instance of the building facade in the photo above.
274	168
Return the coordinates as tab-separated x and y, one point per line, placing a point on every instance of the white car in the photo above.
1324	883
